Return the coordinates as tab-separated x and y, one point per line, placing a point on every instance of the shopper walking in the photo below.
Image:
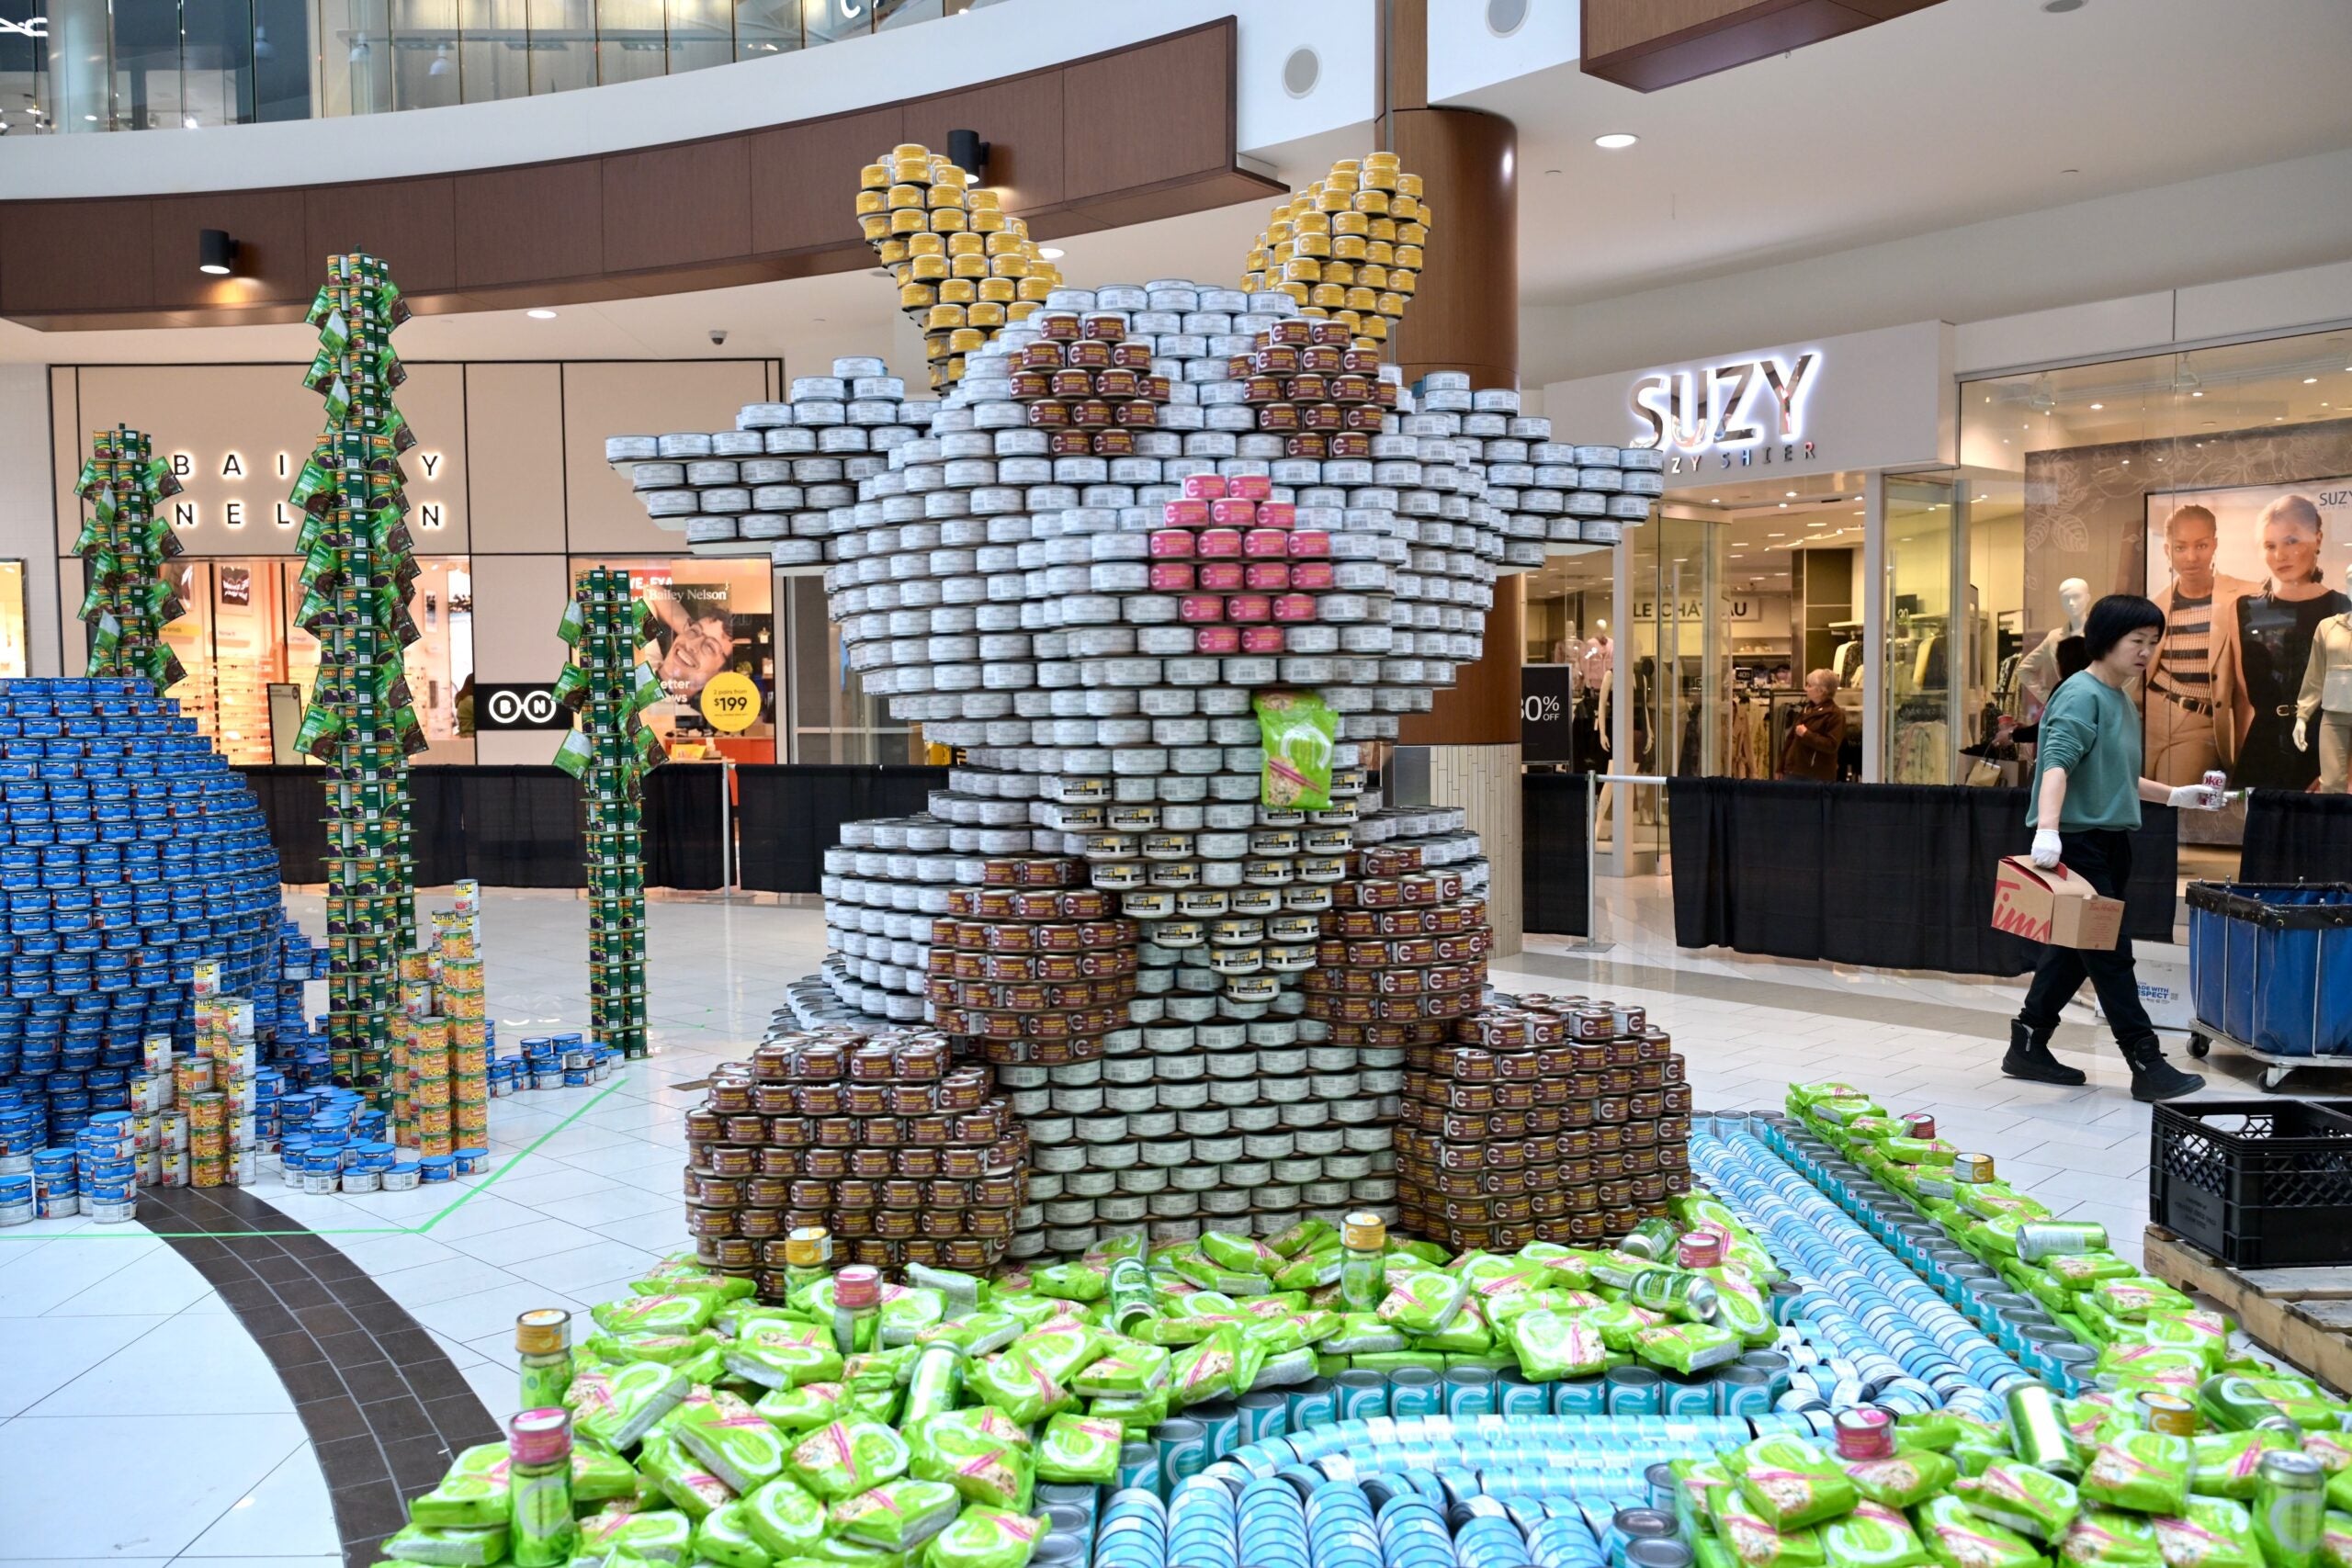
2086	806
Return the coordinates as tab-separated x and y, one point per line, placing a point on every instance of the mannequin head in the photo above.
2075	596
2190	535
2291	532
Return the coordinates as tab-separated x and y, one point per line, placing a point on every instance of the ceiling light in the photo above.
188	121
2060	8
2311	380
2099	405
2199	393
1051	252
1784	506
216	253
540	315
1616	140
1790	493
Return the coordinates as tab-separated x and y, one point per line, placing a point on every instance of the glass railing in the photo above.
80	65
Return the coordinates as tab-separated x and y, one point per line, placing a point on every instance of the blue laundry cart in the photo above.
2270	973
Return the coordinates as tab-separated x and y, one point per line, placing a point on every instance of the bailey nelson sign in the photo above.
1744	413
235	467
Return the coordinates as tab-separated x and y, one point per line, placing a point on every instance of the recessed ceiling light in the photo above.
540	315
1615	141
2099	405
2060	8
2311	380
1784	506
1051	252
2199	393
1790	493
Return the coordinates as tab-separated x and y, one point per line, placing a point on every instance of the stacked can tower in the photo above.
880	1141
357	574
441	1045
610	751
123	545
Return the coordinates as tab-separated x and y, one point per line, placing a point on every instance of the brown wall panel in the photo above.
1649	44
518	225
409	224
1021	120
1148	114
669	206
272	251
78	255
804	177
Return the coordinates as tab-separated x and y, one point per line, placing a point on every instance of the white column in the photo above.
1875	629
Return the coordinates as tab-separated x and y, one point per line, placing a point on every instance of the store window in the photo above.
2219	483
250	668
833	719
12	620
711	617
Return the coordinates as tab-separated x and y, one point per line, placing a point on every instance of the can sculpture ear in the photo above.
1347	247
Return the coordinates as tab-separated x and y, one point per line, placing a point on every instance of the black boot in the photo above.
2153	1078
2030	1058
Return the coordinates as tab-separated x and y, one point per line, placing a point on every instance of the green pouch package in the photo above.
2229	1464
1205	1370
473	1495
617	1406
1423	1301
662	1535
783	1517
1873	1535
1956	1535
669	1349
1293	1368
905	1311
1018	1386
1938	1430
1299	732
692	1487
804	1408
1686	1347
1789	1481
2135	1298
2334	1542
454	1548
1309	1271
2081	1271
1080	1449
1061	1351
1304	1236
2340	1486
2016	1496
1746	1316
1552	1345
1465	1335
737	1444
961	1291
1362	1333
1130	1367
982	1537
655	1314
1754	1541
2109	1538
2333	1449
773	1365
897	1515
683	1276
2145	1471
1621	1323
1071	1282
1137	1413
1902	1480
981	1333
847	1458
1239	1253
2137	1361
725	1539
2213	1533
980	1452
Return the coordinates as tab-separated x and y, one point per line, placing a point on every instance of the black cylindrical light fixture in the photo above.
967	152
216	253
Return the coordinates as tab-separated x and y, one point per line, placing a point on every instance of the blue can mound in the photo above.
129	853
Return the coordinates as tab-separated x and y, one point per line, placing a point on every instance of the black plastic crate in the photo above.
2258	1183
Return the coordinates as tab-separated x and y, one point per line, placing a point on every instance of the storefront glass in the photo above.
2216	481
833	719
12	620
710	616
1923	631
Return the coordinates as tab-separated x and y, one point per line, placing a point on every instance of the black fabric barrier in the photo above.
685	826
1555	876
2294	836
788	814
1895	875
293	801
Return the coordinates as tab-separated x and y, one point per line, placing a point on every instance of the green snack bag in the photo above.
689	1484
2015	1496
683	1276
735	1441
1423	1301
1080	1449
2109	1537
783	1517
897	1515
2335	1543
847	1458
1137	1413
2340	1486
1240	1254
617	1406
453	1547
1686	1347
982	1453
1298	732
982	1333
2145	1471
1790	1482
774	1364
1552	1345
1618	1323
1465	1335
2214	1533
726	1539
1957	1537
907	1311
669	1349
1361	1333
1018	1386
661	1536
1755	1543
1873	1535
2229	1464
2333	1449
986	1537
1935	1429
1747	1317
1904	1479
473	1495
1205	1372
1062	1351
1305	1236
2135	1298
801	1409
1071	1282
2082	1270
1130	1367
655	1314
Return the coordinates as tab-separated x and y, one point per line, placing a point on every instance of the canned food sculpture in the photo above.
123	545
610	750
357	569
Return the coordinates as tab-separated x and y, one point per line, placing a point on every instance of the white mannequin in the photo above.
2037	671
2075	598
2327	696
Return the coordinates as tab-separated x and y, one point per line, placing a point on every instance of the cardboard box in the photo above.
2054	907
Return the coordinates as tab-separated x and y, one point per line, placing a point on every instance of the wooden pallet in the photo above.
2303	1316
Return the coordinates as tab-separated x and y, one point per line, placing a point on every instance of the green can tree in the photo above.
123	545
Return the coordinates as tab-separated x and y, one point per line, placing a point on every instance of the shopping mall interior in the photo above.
952	784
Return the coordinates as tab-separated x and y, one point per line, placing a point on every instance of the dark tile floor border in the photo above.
384	1406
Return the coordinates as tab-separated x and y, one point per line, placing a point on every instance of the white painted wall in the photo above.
26	523
932	57
1467	54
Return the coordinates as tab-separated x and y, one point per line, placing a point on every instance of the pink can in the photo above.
1233	513
1172	577
1277	513
1222	576
1171	542
1201	607
1270	543
1312	574
1184	513
1246	607
1307	542
1204	487
1262	639
1249	487
1272	576
1295	607
1219	542
1219	638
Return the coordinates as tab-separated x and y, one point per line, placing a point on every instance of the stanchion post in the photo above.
728	860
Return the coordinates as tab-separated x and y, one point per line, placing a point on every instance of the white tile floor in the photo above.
114	1346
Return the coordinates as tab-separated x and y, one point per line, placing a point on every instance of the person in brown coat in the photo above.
1818	734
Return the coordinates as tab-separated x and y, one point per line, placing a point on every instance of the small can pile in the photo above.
441	1037
881	1140
1030	966
1544	1118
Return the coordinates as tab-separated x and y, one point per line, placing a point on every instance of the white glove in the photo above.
2047	847
2195	798
2303	734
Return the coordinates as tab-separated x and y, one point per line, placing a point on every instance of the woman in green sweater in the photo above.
2084	808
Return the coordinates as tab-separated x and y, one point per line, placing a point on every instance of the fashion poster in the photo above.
2246	576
